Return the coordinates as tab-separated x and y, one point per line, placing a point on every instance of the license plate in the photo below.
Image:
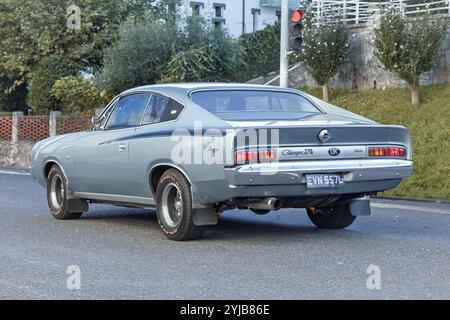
324	180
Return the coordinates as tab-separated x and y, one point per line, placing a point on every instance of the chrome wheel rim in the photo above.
172	205
57	192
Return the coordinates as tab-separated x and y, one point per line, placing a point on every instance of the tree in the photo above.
408	48
324	49
262	51
153	51
13	94
205	53
42	82
138	57
33	30
77	95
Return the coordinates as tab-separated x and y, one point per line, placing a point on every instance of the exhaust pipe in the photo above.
266	204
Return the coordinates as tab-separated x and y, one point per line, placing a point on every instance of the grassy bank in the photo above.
429	124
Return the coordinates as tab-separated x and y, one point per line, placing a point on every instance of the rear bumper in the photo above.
293	173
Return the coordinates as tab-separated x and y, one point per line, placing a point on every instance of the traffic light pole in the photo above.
284	44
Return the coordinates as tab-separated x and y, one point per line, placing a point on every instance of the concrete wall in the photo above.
363	71
15	154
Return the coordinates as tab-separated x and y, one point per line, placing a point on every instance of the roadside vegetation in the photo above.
409	48
429	124
324	49
120	45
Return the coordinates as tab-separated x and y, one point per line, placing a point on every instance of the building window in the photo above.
255	14
196	7
218	9
278	14
218	18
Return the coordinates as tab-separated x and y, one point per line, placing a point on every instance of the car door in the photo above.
102	156
152	143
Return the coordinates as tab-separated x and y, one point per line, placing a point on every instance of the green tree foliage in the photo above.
42	82
33	30
152	51
138	57
193	64
324	49
409	48
205	54
262	51
12	94
77	95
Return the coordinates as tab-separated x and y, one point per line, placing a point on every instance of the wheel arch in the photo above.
48	166
158	170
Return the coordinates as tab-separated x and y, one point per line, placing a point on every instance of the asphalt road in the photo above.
122	254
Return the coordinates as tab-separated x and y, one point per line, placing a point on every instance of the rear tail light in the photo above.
253	156
397	152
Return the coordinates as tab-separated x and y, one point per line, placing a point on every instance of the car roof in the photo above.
194	86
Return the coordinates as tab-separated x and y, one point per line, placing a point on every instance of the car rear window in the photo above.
254	104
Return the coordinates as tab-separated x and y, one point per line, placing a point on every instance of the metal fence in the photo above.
356	12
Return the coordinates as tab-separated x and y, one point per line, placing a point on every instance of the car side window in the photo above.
161	109
128	111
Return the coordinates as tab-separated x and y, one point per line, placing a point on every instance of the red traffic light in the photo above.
297	16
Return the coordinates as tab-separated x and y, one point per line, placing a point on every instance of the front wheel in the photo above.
174	207
332	217
57	193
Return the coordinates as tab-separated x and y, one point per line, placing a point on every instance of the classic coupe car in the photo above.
191	151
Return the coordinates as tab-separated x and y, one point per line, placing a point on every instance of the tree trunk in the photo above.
415	95
325	92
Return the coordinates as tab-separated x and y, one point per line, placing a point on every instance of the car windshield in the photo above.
238	105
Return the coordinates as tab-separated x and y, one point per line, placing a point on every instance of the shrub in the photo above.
42	81
408	48
77	95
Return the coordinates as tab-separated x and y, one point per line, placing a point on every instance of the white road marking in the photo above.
407	207
15	173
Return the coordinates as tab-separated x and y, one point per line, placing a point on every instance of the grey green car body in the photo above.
122	166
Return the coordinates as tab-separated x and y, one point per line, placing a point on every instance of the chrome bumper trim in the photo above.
283	173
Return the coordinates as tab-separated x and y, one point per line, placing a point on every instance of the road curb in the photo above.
411	199
16	170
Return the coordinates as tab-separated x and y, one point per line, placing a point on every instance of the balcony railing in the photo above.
355	12
277	3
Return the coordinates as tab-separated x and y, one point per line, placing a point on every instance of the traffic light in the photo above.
296	29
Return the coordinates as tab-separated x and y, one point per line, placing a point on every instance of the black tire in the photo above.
57	195
333	217
174	207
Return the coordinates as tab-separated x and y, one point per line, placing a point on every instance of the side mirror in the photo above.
95	120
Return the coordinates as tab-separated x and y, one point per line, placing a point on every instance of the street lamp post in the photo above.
284	44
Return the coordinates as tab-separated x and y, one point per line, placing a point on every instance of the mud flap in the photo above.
360	207
77	206
205	217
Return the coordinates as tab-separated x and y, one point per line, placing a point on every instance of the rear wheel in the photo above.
333	217
57	195
174	207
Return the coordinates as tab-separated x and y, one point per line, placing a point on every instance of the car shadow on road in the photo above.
232	227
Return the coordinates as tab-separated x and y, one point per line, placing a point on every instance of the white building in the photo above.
236	16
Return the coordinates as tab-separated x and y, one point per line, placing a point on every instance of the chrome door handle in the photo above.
122	148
